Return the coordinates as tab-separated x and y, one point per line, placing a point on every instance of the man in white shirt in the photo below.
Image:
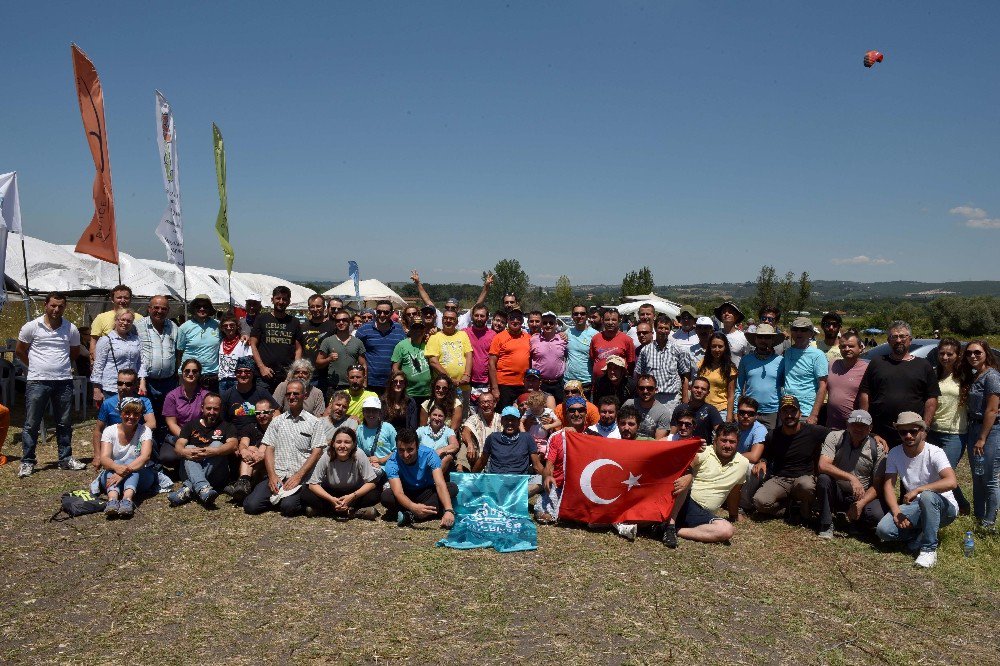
928	480
646	315
49	346
685	336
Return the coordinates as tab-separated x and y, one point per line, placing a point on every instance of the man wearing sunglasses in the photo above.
251	450
667	363
578	366
380	338
110	414
654	418
927	477
338	352
239	402
252	308
464	320
803	370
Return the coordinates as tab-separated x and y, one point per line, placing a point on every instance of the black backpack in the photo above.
78	503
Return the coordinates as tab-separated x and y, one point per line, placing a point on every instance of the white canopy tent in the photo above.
370	290
197	281
143	282
661	305
265	284
50	267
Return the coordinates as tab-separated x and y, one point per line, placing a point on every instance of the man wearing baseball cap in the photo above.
927	477
252	307
788	459
851	468
703	328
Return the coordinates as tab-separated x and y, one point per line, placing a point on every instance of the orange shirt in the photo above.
513	357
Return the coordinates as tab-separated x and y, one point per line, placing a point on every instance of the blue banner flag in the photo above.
492	510
352	272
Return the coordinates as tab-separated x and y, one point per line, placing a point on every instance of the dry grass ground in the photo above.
187	585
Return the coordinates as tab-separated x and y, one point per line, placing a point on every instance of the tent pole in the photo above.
185	281
27	299
119	270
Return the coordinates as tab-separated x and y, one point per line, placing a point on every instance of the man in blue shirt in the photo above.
752	431
803	371
578	348
417	490
110	414
379	338
757	376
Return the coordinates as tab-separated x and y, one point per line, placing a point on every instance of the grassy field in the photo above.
188	585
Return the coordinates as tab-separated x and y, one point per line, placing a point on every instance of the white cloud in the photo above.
863	260
976	218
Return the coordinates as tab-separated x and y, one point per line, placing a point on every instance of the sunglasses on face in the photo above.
291	393
191	371
576	410
912	432
746	412
768	318
974	352
647	388
685	424
126	383
265	411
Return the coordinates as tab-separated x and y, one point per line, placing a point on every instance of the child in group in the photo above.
539	421
436	435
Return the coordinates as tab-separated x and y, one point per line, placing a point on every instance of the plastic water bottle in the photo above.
978	465
969	547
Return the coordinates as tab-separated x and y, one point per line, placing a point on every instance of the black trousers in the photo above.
832	496
309	498
508	395
259	501
426	496
555	388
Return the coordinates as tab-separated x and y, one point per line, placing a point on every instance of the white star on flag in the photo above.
632	481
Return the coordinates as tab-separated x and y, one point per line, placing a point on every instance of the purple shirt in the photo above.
842	387
548	356
176	404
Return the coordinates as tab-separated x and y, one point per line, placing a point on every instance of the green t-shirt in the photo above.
414	365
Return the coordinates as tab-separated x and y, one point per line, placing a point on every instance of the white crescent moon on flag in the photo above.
587	476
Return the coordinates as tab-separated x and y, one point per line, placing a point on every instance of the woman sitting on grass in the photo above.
344	482
125	452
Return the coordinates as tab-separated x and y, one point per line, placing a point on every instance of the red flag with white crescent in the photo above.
619	480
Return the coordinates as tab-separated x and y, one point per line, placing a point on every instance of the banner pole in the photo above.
27	298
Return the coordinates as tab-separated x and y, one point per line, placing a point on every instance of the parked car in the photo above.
919	347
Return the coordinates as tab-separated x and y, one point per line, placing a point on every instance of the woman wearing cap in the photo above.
125	452
301	370
444	393
375	437
951	421
982	386
198	338
231	349
718	368
730	315
398	408
120	349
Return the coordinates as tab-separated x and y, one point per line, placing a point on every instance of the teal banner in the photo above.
492	510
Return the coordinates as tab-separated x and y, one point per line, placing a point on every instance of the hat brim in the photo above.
193	305
739	313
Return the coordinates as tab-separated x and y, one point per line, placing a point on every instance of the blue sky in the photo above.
702	139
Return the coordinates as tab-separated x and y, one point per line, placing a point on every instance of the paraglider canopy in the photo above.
872	57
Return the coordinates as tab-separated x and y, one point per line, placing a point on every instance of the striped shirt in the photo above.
378	350
159	350
293	438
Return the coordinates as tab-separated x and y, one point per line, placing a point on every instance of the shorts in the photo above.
693	514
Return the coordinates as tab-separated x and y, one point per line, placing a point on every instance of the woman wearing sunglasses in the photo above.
180	407
231	349
982	386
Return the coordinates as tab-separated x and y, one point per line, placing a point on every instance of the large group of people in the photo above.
344	411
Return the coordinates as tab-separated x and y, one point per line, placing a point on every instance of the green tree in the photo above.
765	294
804	293
637	282
562	296
508	278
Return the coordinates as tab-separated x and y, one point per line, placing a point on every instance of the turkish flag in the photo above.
620	480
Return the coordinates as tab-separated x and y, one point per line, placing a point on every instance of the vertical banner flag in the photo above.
100	238
618	480
10	219
352	272
170	229
222	221
492	510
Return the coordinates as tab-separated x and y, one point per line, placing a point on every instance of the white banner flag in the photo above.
171	229
10	220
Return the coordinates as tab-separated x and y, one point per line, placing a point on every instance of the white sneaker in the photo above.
27	469
628	532
926	559
826	534
72	464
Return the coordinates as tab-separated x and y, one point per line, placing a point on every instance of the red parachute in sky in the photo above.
872	57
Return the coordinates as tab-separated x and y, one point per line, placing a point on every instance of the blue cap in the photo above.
575	400
533	372
510	411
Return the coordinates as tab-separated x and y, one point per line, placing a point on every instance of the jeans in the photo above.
156	391
928	514
226	384
142	482
37	394
834	495
953	446
213	471
986	487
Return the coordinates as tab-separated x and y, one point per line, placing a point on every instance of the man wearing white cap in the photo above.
851	468
252	307
929	504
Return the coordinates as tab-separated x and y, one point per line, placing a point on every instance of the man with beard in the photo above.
357	392
380	338
250	451
611	342
646	314
204	445
239	402
276	340
252	308
338	352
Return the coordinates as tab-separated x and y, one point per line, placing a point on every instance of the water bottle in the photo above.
969	547
978	465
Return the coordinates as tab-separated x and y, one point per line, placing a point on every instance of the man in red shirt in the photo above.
510	357
611	342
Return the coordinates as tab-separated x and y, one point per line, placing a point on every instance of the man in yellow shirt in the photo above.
103	323
449	352
715	478
357	389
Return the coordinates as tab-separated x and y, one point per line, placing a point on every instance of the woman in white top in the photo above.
950	423
231	349
120	349
125	452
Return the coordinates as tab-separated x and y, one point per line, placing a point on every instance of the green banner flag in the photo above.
222	221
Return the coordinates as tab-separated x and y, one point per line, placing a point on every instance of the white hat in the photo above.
371	402
704	321
253	297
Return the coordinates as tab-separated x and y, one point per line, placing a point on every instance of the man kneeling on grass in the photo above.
344	482
511	451
417	490
716	478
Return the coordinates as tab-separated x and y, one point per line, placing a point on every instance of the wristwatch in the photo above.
451	511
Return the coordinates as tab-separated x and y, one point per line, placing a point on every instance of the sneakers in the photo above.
126	508
164	482
670	535
627	532
180	496
366	513
111	509
404	519
311	511
207	495
71	464
826	532
26	469
239	488
926	559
